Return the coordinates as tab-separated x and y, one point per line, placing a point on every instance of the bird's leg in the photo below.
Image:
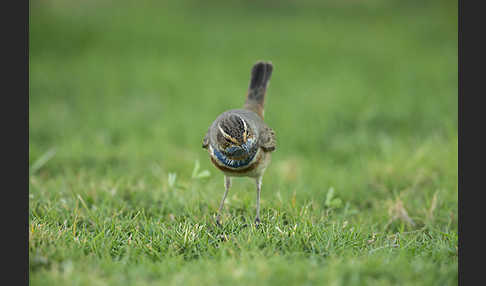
259	188
227	185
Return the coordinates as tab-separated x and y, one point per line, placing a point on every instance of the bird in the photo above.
239	142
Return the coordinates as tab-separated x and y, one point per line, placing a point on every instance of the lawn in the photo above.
362	189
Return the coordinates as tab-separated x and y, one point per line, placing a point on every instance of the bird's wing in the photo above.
205	142
268	141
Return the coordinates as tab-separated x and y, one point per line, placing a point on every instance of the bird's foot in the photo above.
218	221
257	222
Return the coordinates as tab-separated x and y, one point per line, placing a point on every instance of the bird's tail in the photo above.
260	76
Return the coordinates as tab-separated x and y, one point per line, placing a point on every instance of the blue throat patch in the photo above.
234	163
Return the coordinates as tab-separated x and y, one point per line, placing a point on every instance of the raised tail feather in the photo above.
260	76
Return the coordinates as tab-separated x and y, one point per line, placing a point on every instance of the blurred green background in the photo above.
363	100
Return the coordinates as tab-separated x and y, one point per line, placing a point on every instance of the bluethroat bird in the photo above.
239	142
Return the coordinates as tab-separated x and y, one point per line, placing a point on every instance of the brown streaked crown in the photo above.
233	130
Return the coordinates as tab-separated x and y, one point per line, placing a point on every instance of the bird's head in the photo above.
235	137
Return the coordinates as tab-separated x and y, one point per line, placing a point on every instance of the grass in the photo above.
362	189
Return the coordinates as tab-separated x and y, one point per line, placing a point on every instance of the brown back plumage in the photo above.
260	77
